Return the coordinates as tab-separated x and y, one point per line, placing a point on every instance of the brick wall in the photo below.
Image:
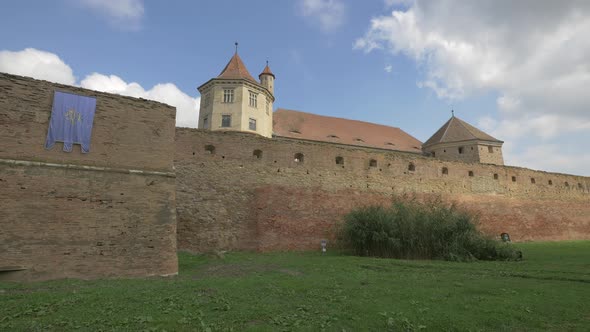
107	213
231	199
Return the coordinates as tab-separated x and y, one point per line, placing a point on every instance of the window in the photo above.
580	186
257	154
411	167
226	120
228	95
252	124
358	140
332	136
207	99
495	176
460	150
514	179
372	163
205	123
339	160
433	154
445	171
253	99
470	173
490	149
294	131
298	158
533	181
550	182
567	185
210	149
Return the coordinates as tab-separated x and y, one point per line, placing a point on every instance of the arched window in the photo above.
298	158
210	149
411	167
445	171
257	154
372	163
339	160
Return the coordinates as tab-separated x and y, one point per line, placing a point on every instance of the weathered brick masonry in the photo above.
110	212
230	199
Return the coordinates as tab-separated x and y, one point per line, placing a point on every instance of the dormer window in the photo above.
358	140
228	95
333	136
294	131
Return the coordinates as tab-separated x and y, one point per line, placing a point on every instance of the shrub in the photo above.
410	229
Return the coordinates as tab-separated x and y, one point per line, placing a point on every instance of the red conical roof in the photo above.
267	71
235	69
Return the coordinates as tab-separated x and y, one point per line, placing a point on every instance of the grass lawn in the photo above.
548	290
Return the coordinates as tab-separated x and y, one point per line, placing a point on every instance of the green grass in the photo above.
548	290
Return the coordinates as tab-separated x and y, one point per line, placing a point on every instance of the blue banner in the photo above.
71	121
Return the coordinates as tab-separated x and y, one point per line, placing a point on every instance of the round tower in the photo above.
267	79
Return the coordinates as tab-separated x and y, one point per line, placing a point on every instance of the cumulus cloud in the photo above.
124	13
388	68
39	64
187	108
48	66
535	55
327	14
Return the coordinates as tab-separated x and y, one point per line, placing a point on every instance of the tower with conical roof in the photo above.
458	140
234	100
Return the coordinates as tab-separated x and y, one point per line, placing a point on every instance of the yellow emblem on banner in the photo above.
73	116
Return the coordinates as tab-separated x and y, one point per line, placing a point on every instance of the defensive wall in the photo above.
244	192
110	212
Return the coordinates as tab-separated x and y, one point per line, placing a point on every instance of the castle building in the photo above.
236	101
458	140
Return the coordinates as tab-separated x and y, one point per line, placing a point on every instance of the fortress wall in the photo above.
107	213
232	200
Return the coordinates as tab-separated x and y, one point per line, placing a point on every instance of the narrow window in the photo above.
460	150
210	149
445	171
567	185
550	182
514	179
411	167
445	151
470	173
372	163
533	181
205	123
252	124
257	154
490	149
228	95
580	186
495	176
339	160
226	120
253	99
298	158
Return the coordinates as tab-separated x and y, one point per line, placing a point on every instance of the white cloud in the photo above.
388	68
327	14
535	55
48	66
124	13
187	108
39	64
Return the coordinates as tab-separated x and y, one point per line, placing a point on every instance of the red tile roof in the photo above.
457	130
267	71
235	69
295	124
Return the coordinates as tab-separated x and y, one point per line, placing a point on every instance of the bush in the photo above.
410	229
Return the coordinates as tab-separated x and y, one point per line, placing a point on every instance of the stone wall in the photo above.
231	199
107	213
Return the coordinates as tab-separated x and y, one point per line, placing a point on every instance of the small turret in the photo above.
267	79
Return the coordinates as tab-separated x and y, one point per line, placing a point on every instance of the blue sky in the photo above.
401	63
